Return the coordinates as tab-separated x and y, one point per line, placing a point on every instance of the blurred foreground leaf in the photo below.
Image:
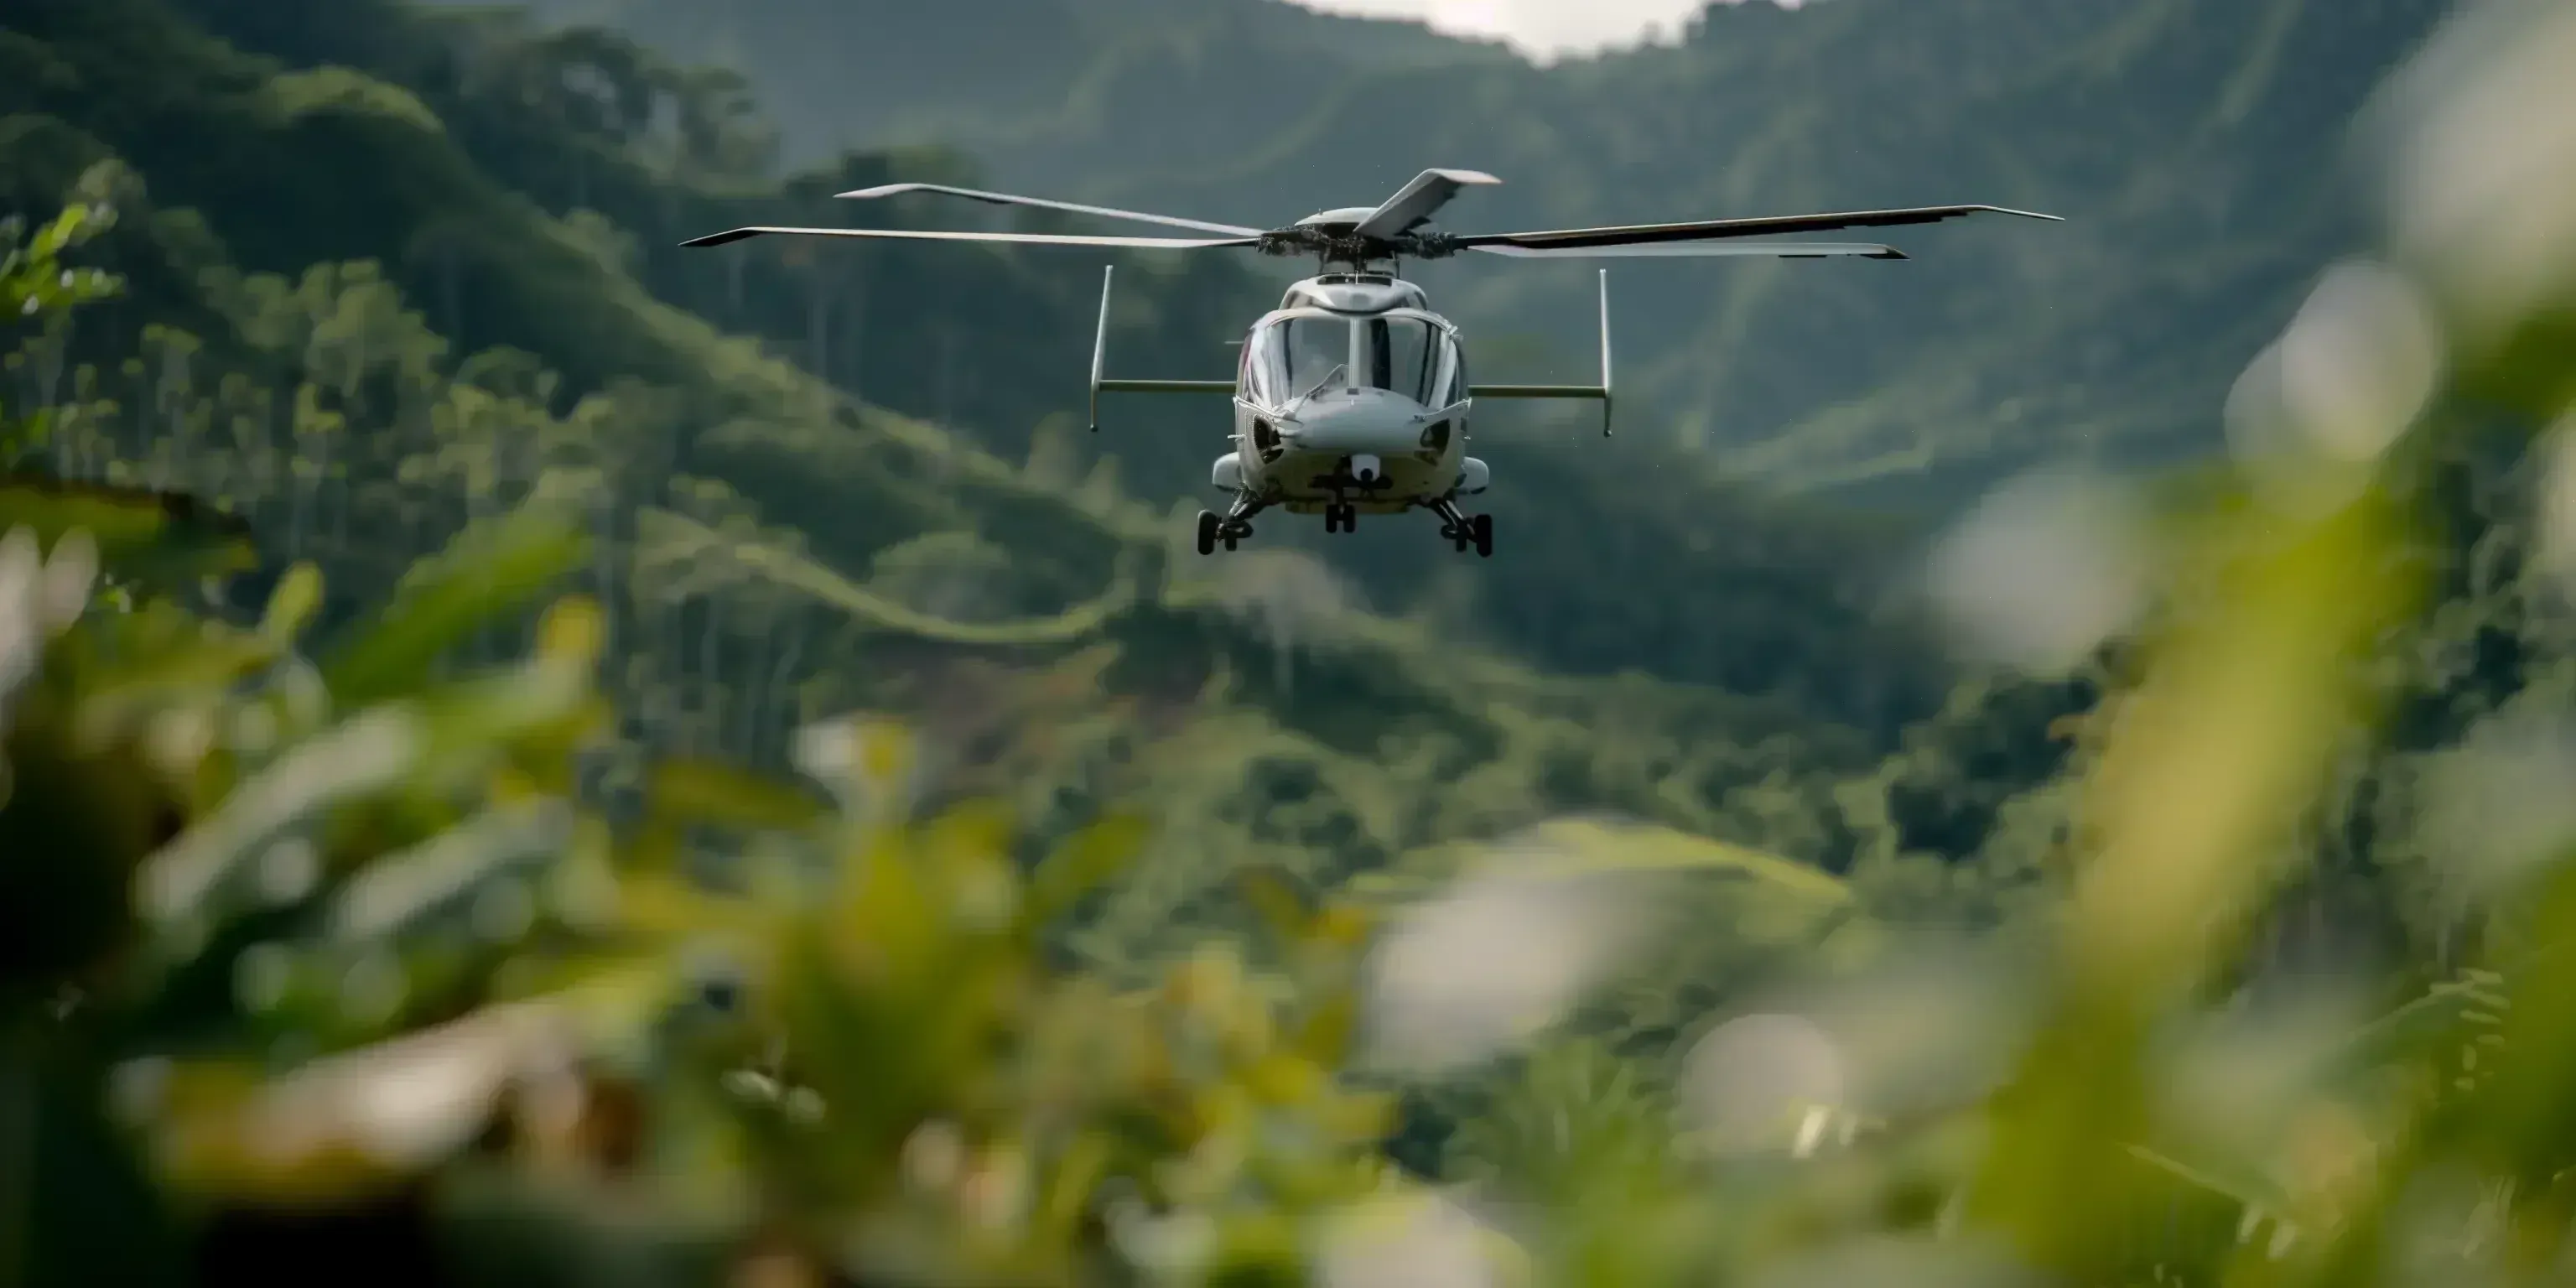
166	539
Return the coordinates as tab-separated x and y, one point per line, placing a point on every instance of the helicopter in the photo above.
1352	396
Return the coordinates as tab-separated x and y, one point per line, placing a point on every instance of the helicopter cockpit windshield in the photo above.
1410	356
1294	355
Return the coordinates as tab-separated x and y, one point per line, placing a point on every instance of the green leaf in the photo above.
291	607
484	574
400	890
370	753
1574	848
698	791
2243	1188
1081	864
1278	903
167	539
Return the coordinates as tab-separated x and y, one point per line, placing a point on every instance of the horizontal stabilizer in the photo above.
1702	250
1100	358
1167	386
1043	203
1019	239
1599	393
1537	391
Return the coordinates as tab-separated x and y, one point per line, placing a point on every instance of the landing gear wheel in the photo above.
1229	540
1458	537
1484	535
1207	533
1341	518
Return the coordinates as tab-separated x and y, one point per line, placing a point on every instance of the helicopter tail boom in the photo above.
1600	391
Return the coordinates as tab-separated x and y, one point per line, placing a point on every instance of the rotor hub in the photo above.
1338	245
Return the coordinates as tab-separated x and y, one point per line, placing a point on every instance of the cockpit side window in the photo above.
1452	380
1267	356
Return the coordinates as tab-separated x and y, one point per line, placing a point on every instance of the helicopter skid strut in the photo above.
1463	530
1231	527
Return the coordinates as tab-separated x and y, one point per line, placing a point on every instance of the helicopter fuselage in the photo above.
1352	393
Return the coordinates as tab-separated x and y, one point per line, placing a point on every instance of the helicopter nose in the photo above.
1372	421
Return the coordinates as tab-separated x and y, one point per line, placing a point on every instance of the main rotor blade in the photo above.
1710	229
1703	250
1042	203
1024	239
1418	201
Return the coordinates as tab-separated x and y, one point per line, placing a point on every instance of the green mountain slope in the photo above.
1723	587
2196	146
1018	78
771	548
397	282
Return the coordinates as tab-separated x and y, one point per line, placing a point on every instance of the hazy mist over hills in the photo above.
1542	30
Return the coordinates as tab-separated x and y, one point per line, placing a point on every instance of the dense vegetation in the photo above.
769	549
495	879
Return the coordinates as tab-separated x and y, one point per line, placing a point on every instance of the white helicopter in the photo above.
1352	396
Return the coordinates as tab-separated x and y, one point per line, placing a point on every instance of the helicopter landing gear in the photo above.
1227	529
1341	516
1463	530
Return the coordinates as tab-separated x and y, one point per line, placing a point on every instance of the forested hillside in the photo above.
1004	77
377	307
531	755
353	315
2197	148
1753	596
